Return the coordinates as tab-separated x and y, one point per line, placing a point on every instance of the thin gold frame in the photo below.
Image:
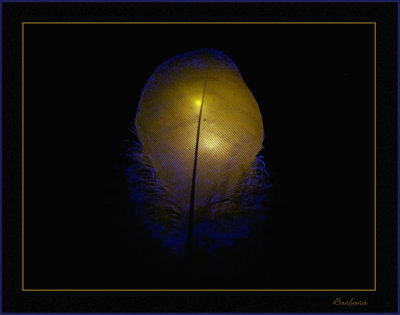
23	205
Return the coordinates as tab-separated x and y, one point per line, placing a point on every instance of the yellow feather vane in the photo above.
200	130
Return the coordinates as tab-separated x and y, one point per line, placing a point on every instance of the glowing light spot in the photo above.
211	142
197	102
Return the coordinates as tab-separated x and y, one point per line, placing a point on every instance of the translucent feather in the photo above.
200	130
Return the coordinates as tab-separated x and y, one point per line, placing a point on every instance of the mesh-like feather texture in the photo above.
204	82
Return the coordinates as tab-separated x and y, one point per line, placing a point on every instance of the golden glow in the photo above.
211	142
230	131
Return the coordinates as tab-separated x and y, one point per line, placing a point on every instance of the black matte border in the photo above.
383	300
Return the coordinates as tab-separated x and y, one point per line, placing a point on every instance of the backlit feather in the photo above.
195	173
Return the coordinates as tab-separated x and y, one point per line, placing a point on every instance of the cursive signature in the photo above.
351	302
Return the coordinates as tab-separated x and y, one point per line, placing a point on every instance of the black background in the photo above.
314	86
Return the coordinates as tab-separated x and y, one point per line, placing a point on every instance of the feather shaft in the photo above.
189	250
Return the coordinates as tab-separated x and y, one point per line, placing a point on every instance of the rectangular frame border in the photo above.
142	290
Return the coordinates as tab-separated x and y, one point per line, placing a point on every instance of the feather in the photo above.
195	173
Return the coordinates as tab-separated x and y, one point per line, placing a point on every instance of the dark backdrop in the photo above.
314	86
315	89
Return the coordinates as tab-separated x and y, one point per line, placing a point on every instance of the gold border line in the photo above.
184	290
198	22
280	290
375	156
23	162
